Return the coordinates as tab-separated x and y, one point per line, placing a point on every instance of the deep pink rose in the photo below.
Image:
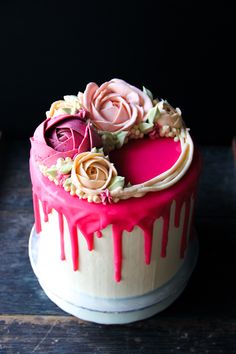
62	136
115	106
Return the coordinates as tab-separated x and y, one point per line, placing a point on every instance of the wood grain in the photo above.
59	334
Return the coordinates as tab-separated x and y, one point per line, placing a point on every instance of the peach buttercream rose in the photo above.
115	106
169	116
92	173
70	105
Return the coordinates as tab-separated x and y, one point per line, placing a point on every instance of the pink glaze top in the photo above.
137	161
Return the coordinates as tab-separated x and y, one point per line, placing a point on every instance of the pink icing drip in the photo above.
36	213
192	233
99	234
148	236
74	245
165	232
178	207
45	211
117	242
90	240
61	228
183	244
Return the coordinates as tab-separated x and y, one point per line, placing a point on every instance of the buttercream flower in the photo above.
106	197
70	105
63	136
92	173
115	106
169	116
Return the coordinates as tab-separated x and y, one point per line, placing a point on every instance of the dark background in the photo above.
181	51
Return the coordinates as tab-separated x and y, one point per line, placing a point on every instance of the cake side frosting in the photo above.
95	276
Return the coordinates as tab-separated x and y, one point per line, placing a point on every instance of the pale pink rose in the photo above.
115	106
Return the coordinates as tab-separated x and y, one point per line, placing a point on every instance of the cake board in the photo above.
125	310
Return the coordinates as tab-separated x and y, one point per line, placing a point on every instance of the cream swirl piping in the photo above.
91	175
167	178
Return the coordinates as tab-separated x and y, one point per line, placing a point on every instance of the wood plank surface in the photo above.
61	334
202	320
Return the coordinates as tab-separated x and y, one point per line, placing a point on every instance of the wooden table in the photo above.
202	320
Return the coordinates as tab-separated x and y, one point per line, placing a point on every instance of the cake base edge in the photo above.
124	310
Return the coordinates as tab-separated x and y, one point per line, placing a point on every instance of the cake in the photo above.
114	175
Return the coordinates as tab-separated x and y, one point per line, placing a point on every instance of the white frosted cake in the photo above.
114	177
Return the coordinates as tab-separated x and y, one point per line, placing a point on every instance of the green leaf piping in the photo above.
52	171
148	93
145	127
117	182
66	168
152	115
120	139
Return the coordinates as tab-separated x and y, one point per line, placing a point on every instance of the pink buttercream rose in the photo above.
115	106
63	136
